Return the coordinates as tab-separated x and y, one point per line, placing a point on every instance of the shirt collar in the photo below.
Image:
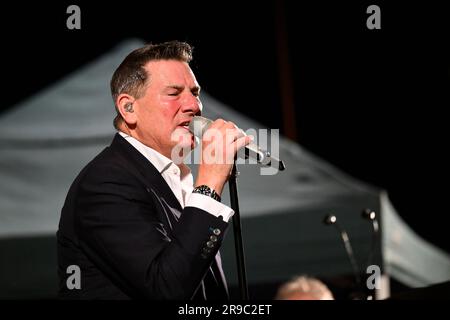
159	161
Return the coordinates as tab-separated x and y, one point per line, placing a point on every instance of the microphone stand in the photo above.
350	254
332	220
371	216
240	259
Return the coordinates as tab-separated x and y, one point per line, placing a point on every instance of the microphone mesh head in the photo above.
198	125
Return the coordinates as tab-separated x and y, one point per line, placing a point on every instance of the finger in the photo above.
220	123
231	125
217	124
241	133
232	134
242	141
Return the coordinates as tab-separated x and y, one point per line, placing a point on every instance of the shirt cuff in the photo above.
210	205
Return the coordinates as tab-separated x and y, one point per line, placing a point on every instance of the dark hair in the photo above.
131	77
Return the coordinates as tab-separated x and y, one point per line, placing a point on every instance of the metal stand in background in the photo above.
242	275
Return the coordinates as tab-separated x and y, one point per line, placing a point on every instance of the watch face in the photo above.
207	191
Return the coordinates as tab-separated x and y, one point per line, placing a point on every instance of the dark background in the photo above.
372	102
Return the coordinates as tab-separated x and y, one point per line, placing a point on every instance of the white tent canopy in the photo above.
47	139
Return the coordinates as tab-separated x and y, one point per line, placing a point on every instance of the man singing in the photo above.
134	222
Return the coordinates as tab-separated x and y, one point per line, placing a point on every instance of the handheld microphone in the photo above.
332	220
199	125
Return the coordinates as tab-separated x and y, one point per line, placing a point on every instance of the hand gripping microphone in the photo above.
199	125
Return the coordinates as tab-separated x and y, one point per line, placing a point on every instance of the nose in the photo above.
191	103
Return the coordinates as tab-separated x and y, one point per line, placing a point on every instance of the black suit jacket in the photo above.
119	225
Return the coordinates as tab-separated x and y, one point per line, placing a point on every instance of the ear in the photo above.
125	106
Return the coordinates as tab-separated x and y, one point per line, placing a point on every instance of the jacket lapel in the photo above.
145	171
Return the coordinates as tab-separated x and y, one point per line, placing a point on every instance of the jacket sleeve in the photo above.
119	228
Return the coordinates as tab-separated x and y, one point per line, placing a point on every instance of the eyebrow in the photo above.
181	88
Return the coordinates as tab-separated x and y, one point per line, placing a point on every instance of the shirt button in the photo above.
213	238
210	244
216	231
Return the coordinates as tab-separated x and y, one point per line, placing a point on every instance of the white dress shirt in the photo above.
180	180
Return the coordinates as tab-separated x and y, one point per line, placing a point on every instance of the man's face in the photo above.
170	101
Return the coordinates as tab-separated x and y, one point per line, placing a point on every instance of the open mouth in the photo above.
185	125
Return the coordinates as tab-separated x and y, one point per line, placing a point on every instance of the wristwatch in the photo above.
207	191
